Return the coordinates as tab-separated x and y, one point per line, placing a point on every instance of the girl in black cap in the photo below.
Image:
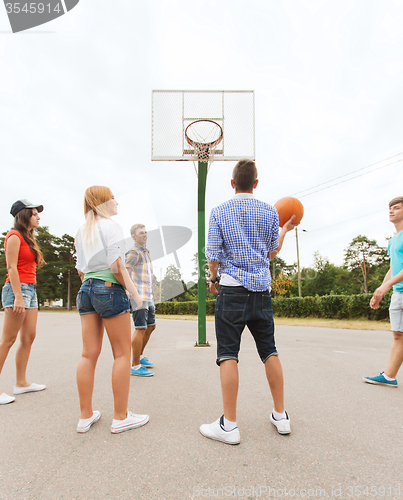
19	298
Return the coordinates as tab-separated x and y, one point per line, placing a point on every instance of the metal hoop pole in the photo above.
201	242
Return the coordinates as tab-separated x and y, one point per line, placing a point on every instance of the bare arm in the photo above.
393	281
119	271
387	284
288	226
213	266
13	249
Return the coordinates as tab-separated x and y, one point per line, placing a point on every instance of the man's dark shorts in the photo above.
236	308
144	317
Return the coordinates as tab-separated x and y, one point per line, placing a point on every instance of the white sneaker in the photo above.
5	399
130	422
30	388
216	431
84	424
283	425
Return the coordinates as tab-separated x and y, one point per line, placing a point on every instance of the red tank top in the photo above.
26	265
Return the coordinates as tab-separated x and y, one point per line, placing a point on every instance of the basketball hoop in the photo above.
204	136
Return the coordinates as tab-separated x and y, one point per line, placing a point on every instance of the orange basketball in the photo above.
287	207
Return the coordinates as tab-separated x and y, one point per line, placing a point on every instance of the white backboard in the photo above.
174	110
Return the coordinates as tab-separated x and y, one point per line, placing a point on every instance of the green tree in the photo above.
3	265
47	277
323	278
195	274
69	279
278	265
173	287
157	290
52	279
281	284
362	256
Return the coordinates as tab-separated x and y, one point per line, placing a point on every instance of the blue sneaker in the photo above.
145	362
141	372
380	380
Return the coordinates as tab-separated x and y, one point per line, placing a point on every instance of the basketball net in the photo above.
204	136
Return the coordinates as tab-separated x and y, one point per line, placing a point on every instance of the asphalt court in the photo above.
346	439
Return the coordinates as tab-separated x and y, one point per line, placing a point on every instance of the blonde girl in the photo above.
103	302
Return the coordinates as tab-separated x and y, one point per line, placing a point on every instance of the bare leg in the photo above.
137	345
147	336
92	333
118	330
11	326
396	355
27	337
274	374
229	387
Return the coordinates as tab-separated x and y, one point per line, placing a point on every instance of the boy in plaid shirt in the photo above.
140	269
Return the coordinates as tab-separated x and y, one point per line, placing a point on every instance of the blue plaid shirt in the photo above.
241	233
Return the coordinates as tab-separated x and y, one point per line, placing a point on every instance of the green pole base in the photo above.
205	344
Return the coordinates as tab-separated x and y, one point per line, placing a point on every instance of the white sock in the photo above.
136	367
229	426
388	378
279	416
141	357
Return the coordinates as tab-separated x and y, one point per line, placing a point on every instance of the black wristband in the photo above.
217	280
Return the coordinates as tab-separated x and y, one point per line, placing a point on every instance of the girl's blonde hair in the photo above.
96	200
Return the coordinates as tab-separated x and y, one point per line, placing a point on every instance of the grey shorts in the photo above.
396	312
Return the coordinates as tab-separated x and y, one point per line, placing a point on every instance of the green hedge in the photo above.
183	307
328	306
331	306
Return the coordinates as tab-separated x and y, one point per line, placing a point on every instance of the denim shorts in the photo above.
237	307
102	297
28	294
144	317
396	312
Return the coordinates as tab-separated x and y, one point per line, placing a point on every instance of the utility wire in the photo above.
344	221
350	173
193	229
351	178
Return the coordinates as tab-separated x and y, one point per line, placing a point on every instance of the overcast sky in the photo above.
328	78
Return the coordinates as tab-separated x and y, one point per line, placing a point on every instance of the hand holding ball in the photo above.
287	207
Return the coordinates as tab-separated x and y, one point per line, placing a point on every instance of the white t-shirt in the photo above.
104	248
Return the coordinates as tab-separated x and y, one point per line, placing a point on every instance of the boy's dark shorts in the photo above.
237	307
144	317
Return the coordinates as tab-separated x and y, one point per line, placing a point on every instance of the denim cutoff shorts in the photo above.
396	312
28	294
237	307
102	297
144	317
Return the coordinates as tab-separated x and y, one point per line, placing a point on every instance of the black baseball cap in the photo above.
20	204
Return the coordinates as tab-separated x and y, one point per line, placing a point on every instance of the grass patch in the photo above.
348	324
